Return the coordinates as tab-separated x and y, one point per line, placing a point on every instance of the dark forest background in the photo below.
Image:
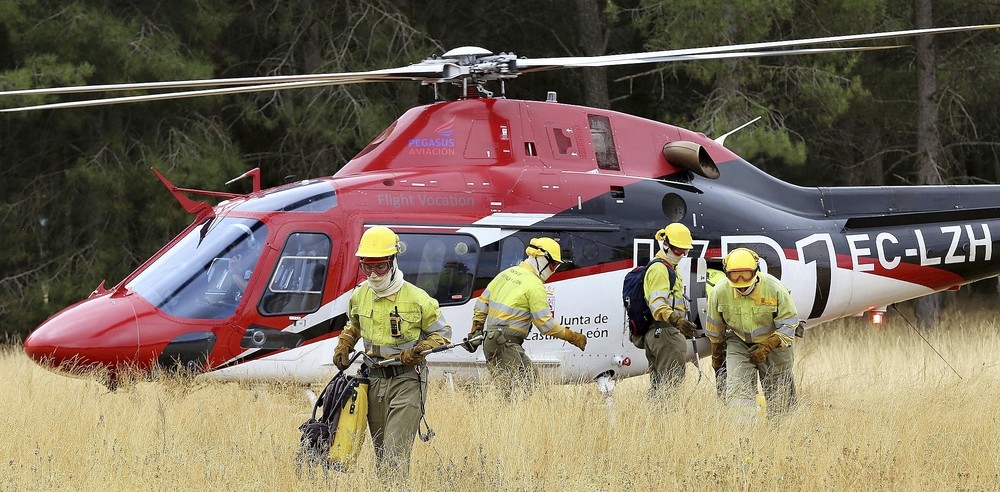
78	203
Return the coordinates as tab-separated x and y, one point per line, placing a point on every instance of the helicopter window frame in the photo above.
299	277
427	258
605	149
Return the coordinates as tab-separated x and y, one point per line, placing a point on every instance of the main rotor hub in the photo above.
474	65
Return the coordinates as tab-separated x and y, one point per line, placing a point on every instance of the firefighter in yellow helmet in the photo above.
753	314
394	319
513	302
664	343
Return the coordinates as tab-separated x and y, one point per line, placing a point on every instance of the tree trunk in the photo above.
592	41
929	150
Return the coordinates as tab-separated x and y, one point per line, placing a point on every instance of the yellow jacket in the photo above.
516	299
767	309
420	321
661	298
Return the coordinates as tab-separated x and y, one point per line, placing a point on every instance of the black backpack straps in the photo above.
671	274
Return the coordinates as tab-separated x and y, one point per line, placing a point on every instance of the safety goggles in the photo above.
377	266
742	277
682	252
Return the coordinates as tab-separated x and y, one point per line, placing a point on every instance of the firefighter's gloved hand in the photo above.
718	356
760	352
578	340
410	357
685	326
342	354
477	331
472	345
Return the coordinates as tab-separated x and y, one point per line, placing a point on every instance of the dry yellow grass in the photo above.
879	411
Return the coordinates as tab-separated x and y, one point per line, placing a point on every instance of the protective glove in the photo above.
718	356
477	330
342	354
578	340
759	353
471	345
685	326
410	357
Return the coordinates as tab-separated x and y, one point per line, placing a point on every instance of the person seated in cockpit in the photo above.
241	265
240	261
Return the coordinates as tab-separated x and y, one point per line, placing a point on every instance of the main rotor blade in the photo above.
186	94
417	71
745	54
528	65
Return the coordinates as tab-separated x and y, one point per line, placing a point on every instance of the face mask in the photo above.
672	258
545	273
380	283
747	290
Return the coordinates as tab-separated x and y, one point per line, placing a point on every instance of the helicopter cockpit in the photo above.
204	274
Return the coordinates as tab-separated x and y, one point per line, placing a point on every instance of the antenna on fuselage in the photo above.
721	139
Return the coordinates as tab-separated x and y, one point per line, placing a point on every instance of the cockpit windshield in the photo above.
204	275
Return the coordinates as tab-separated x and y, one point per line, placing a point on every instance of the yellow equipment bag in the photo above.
351	425
334	439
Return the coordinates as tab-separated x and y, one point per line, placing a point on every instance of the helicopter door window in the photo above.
443	265
604	142
296	286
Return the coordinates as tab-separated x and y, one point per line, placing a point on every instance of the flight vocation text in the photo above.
424	200
431	146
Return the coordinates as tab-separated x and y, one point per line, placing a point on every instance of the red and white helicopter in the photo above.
466	184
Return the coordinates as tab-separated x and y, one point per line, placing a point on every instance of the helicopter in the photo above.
257	286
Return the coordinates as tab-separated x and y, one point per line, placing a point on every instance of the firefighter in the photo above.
752	318
665	343
394	319
513	302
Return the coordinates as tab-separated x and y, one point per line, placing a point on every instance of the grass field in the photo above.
880	410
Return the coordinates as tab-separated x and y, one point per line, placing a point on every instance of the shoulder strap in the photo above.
671	274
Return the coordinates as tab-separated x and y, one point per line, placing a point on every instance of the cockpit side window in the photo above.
443	265
296	285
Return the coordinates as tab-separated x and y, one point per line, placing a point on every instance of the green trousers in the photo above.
665	349
394	412
511	369
775	375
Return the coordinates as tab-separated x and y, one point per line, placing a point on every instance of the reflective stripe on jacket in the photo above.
753	318
516	299
661	298
420	318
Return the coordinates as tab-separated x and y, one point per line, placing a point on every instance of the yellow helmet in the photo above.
742	267
676	234
544	246
378	242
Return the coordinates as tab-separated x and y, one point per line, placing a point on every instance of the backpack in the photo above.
637	312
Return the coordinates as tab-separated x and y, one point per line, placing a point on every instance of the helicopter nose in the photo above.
100	331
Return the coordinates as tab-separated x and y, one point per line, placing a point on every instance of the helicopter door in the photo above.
292	287
295	286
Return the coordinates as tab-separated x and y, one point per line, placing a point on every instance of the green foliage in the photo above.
787	92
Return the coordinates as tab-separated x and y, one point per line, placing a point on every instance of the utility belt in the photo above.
502	333
388	371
